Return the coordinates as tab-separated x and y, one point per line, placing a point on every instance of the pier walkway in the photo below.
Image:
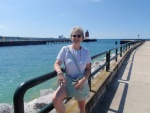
129	92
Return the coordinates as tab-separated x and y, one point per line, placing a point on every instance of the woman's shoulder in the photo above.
64	48
85	49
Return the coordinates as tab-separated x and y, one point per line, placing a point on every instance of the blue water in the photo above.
21	63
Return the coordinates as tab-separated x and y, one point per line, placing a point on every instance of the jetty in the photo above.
89	40
129	91
123	41
38	42
33	42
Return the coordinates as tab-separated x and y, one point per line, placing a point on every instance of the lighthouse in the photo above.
86	34
86	39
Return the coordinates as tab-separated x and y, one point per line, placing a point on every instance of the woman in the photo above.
83	60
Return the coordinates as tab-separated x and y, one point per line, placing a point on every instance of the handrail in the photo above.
19	94
98	55
21	90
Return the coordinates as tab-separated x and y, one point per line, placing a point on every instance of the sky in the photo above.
104	19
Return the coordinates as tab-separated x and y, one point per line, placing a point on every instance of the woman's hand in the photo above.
80	83
61	79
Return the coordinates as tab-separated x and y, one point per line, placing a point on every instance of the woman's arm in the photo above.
61	78
87	71
57	66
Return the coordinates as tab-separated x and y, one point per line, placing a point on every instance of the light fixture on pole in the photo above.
138	36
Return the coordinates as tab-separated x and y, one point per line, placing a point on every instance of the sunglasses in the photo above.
78	36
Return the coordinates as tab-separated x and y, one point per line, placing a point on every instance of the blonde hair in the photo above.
77	29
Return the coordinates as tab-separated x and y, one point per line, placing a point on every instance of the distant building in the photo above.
61	37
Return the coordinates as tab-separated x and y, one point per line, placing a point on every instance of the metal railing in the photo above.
21	90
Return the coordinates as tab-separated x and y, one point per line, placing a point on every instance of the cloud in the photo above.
63	14
1	7
3	27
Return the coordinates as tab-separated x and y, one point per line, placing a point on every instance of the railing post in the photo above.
122	48
89	81
108	60
18	100
121	51
116	53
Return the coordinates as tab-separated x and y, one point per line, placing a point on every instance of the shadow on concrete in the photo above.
104	106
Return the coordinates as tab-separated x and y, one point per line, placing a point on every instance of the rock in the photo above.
33	106
43	101
30	107
46	92
6	108
38	103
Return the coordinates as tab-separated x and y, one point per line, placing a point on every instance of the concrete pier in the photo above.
114	91
129	92
32	42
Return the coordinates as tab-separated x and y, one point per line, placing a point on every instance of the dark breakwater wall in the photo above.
21	43
130	40
18	43
38	42
89	40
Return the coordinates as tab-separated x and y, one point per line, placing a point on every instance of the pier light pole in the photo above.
138	36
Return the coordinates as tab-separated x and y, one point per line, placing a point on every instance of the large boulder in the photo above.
30	107
43	101
38	103
33	106
46	92
6	108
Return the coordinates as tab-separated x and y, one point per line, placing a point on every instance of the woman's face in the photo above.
76	37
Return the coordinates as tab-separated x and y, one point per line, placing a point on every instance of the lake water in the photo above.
21	63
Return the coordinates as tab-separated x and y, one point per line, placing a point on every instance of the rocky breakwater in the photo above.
34	105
